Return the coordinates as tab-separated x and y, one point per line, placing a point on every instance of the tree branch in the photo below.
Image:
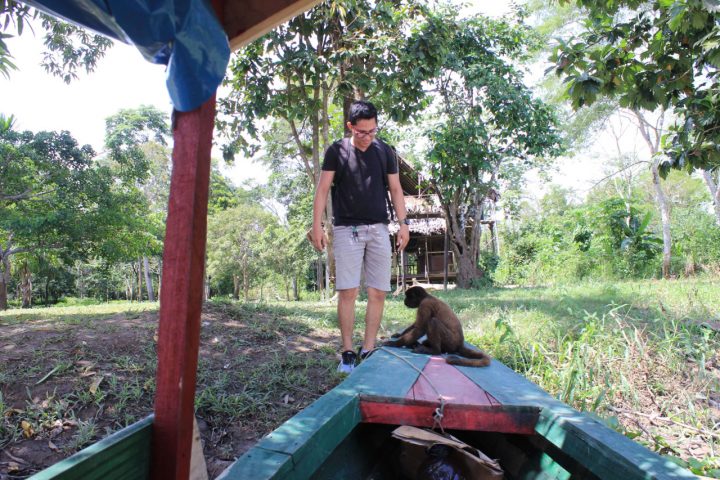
619	171
27	194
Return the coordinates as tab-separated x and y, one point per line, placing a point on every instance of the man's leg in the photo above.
346	315
348	263
378	261
373	315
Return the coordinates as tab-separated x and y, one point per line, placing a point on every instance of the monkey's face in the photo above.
413	296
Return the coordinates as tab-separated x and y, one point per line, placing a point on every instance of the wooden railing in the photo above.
433	266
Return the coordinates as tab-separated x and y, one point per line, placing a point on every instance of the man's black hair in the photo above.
362	110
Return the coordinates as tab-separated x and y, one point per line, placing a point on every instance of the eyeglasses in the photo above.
363	133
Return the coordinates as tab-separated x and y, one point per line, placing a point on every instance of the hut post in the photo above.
445	261
181	294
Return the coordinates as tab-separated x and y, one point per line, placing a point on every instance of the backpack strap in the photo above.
385	159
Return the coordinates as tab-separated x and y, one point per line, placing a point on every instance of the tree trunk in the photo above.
4	280
652	135
714	193
467	270
80	281
26	286
148	279
665	218
236	287
246	282
139	281
296	295
466	250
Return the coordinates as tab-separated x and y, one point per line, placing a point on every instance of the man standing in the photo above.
354	169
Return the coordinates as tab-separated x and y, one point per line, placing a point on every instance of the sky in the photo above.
124	79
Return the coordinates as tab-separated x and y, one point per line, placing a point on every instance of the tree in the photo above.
52	199
234	245
489	126
651	55
68	47
136	140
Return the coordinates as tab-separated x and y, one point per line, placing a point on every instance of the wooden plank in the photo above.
249	20
443	378
123	455
258	463
485	418
605	452
198	467
299	446
182	292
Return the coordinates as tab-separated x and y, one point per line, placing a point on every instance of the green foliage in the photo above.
318	61
57	206
565	242
488	125
650	55
126	132
235	246
696	237
68	47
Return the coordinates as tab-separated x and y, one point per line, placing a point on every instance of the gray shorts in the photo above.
362	247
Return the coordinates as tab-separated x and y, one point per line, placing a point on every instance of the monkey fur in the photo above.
436	319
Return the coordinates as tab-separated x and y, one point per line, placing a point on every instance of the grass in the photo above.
642	356
75	314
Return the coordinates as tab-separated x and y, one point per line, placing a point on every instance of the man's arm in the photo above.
319	203
398	201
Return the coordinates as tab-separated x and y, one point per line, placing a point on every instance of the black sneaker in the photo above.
349	359
362	355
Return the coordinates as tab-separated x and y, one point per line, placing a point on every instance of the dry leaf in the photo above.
53	447
13	467
87	373
10	411
27	429
95	384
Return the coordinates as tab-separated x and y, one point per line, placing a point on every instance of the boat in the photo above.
347	433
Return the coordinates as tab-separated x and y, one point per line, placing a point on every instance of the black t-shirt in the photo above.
359	192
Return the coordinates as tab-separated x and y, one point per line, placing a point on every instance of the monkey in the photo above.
436	319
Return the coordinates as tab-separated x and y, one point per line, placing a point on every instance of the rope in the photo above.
439	411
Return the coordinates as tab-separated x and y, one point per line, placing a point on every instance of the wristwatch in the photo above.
404	220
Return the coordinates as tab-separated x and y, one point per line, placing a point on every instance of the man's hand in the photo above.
318	237
403	237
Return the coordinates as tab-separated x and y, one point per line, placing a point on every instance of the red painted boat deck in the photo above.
454	387
467	406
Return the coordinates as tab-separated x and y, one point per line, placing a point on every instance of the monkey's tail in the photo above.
470	358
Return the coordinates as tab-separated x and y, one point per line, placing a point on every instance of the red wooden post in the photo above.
182	292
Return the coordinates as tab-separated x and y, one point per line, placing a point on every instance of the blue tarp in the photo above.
185	35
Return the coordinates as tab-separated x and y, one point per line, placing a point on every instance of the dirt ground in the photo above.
67	383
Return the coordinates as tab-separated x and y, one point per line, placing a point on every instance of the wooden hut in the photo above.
428	257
